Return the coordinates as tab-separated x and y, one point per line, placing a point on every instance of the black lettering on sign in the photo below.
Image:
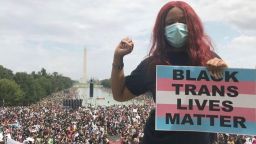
199	105
199	118
212	117
216	79
177	88
173	119
214	105
240	121
218	90
225	121
179	105
187	119
203	76
230	76
188	76
178	74
233	91
227	106
204	90
189	88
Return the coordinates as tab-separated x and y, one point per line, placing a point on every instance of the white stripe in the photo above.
169	97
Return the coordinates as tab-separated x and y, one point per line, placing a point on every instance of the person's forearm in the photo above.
119	90
117	78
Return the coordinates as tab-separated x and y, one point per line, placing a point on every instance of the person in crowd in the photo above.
178	39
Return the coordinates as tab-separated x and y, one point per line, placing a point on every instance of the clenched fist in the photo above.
124	47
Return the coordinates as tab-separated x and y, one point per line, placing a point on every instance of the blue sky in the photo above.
53	33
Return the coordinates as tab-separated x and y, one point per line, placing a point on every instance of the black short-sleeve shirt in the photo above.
139	82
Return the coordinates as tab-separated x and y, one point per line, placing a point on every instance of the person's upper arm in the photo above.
137	82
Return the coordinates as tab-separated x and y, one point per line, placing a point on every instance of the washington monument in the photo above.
84	79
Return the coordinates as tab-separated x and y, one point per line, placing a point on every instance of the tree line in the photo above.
23	88
106	83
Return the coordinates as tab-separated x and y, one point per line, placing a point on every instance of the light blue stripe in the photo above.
167	72
250	130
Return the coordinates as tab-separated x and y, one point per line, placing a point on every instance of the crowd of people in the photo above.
236	139
48	122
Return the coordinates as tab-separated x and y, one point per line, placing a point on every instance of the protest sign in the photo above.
190	99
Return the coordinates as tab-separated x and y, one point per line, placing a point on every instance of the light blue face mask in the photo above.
176	34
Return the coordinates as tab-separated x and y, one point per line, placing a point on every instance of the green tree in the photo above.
27	85
33	86
43	72
40	92
45	84
106	83
10	92
5	73
60	82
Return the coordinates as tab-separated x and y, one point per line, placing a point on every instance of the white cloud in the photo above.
18	55
52	34
237	13
37	34
240	52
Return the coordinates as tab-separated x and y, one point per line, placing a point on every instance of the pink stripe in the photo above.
164	84
248	113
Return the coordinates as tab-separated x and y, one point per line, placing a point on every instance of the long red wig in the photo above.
198	45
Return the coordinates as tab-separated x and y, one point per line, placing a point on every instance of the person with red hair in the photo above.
178	39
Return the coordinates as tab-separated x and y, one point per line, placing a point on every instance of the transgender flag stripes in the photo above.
189	99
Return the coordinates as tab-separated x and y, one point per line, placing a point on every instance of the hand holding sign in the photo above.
215	67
